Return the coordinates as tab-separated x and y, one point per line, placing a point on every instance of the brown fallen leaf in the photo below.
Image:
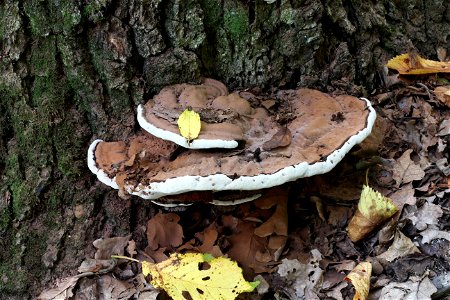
413	64
282	138
208	239
401	246
360	278
112	288
414	288
157	255
96	265
405	170
277	223
63	289
163	230
403	196
131	248
268	104
426	215
204	242
306	278
276	227
245	246
443	94
110	246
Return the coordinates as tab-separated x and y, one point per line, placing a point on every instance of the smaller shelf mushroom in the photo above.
305	133
226	118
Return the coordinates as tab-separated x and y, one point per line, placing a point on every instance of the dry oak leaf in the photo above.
430	234
278	222
373	210
63	289
443	94
204	242
281	138
306	278
427	214
109	246
412	289
405	170
208	239
198	276
163	230
413	64
360	278
249	249
401	246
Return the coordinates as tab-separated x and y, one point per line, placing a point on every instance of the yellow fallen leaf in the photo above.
189	124
413	64
198	276
360	278
373	210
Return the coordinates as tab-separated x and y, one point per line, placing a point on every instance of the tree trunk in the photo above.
75	70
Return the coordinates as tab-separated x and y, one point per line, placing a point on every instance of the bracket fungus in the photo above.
301	133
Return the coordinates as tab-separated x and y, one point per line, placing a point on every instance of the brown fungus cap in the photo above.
316	135
226	118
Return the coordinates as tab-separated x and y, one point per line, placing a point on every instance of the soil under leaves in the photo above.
295	236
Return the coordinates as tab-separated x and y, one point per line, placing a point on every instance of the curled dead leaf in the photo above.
413	64
109	246
163	230
401	246
282	138
360	278
443	94
373	210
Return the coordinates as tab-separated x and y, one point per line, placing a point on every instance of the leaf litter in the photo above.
295	237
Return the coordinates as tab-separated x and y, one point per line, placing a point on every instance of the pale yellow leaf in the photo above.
189	124
372	204
413	64
360	278
198	276
373	210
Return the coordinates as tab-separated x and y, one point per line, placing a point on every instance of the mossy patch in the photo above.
38	15
14	279
94	10
235	20
9	18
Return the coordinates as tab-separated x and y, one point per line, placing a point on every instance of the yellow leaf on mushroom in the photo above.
413	64
189	124
373	210
198	276
360	278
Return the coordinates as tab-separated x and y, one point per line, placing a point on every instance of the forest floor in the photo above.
295	238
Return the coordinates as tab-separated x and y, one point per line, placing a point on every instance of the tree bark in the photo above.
75	70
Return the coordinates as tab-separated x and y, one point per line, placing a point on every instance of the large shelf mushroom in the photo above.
303	133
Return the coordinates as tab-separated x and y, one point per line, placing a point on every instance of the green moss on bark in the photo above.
38	17
235	20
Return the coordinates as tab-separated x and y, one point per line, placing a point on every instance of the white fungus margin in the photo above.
221	182
178	139
92	165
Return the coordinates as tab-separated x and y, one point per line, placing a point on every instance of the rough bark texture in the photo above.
74	70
